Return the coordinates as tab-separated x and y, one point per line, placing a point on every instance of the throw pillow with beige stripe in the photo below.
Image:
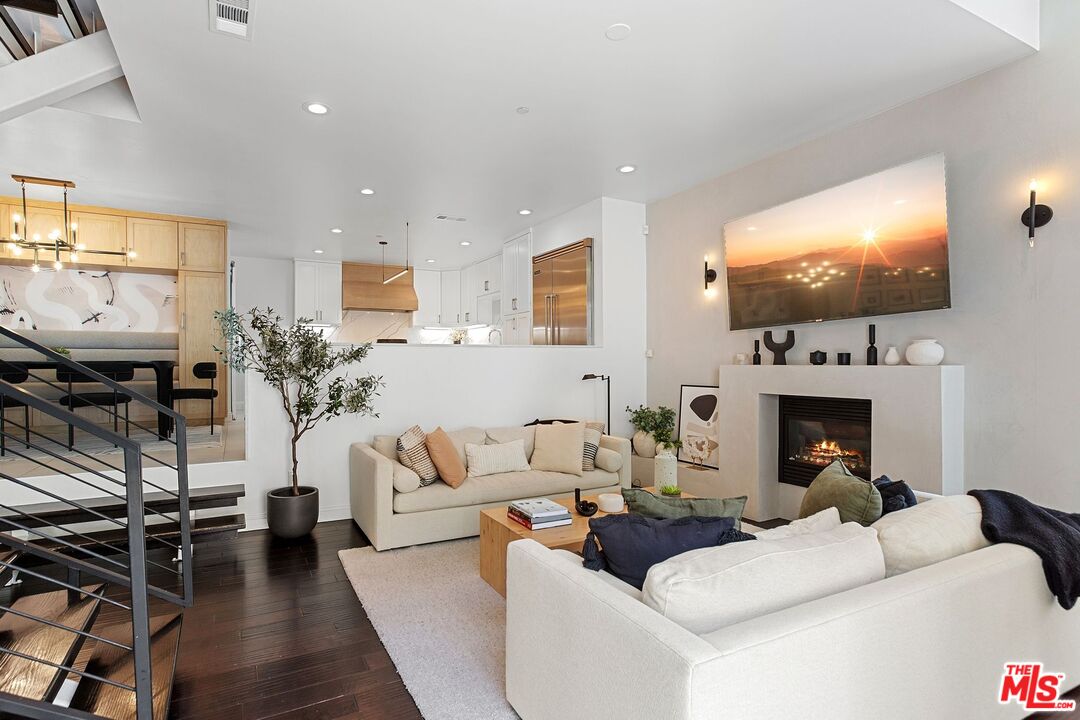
496	459
413	454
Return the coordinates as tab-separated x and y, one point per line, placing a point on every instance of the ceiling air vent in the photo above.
231	17
449	218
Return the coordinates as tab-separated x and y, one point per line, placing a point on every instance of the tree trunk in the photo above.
295	474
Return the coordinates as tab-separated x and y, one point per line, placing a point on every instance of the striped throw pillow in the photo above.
496	459
592	445
413	454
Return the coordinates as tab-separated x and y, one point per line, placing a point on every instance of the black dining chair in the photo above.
201	371
13	374
116	371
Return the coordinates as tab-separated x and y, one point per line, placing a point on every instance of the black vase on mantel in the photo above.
757	352
871	351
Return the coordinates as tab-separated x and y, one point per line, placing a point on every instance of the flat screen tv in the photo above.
874	246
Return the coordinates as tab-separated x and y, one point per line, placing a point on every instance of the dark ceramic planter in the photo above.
292	516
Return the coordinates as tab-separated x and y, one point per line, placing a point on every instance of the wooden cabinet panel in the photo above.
201	294
154	242
100	232
362	288
202	247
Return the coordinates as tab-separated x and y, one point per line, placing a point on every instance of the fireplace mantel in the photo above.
918	425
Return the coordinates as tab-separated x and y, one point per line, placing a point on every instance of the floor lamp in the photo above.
607	385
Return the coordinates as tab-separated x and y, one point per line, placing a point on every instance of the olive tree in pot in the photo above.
298	362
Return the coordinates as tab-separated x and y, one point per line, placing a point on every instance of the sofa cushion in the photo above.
645	503
405	480
856	499
559	448
441	449
608	459
499	436
704	590
827	519
496	459
473	435
930	532
500	488
413	454
895	494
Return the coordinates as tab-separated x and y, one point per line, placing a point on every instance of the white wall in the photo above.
1015	310
261	282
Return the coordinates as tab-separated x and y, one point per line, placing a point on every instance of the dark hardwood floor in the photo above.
277	632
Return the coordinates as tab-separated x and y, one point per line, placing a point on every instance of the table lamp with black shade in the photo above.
607	386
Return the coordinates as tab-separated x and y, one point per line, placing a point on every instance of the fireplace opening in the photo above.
815	431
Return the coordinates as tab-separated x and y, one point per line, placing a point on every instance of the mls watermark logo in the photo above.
1030	687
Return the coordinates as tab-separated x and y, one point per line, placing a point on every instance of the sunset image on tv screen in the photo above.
874	246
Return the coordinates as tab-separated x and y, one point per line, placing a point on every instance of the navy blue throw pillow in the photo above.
632	543
895	494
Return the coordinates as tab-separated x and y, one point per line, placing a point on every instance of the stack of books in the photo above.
538	513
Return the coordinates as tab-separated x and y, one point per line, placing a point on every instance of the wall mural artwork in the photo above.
699	415
87	300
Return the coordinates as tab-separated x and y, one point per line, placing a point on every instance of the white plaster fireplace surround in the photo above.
917	433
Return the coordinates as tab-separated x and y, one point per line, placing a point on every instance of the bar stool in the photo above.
12	374
116	371
201	371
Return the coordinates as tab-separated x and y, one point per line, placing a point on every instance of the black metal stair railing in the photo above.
54	555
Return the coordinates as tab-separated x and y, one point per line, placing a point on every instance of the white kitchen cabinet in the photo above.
317	291
489	309
488	275
468	294
517	274
428	286
517	329
450	300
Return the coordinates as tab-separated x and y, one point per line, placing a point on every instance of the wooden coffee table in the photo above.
497	531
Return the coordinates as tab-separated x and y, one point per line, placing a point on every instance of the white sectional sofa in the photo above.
391	518
927	643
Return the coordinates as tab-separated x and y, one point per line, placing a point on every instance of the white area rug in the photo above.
444	627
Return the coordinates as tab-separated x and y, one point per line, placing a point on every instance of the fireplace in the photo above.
815	431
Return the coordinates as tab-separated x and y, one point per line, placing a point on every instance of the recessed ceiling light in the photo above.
617	32
524	211
465	243
522	110
336	231
430	260
627	169
316	108
318	252
367	191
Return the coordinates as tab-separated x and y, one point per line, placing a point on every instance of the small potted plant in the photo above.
654	428
297	362
671	491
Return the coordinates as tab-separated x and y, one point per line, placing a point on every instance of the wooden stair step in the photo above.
112	663
61	513
166	531
37	680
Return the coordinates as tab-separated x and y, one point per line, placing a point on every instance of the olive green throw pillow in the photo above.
856	499
651	506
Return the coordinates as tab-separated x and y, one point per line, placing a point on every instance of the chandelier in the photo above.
66	240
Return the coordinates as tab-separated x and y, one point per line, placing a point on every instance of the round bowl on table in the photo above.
610	502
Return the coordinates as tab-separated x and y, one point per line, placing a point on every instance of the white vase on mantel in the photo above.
644	444
892	356
665	468
925	352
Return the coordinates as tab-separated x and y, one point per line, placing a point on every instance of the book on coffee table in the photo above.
539	508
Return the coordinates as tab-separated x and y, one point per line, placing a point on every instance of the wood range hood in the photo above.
362	288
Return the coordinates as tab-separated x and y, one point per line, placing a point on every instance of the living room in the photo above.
566	361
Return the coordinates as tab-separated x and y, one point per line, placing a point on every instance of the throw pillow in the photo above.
856	499
559	448
498	436
405	480
645	503
705	590
589	450
895	494
827	519
496	459
633	544
930	532
413	454
443	454
609	460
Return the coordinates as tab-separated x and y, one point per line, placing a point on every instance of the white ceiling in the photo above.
423	97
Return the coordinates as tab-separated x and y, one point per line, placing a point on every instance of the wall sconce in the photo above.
710	278
1036	215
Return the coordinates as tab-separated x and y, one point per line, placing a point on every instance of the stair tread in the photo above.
35	680
61	513
109	662
166	531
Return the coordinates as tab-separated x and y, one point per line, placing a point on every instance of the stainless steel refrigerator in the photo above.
563	296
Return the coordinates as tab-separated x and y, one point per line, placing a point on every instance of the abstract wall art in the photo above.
699	415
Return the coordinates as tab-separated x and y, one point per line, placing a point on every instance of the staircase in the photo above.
95	561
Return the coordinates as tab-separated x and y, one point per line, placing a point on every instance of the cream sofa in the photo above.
390	518
927	643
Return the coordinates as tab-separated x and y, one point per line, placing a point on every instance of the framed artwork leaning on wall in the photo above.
699	415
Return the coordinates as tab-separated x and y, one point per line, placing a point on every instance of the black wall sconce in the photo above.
607	384
710	278
1036	215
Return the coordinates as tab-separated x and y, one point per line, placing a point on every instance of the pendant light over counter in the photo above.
388	280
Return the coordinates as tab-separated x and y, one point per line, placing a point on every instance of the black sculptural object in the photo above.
585	508
818	357
871	351
757	352
779	350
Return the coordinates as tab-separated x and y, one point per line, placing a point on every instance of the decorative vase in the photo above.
818	358
665	468
757	352
843	358
292	516
644	444
925	352
892	357
871	350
